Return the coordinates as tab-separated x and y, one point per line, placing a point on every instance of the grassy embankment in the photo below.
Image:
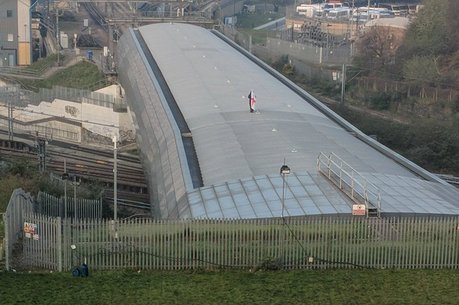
83	75
235	287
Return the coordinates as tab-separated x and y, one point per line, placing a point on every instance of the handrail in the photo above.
345	174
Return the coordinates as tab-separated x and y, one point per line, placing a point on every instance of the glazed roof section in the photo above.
310	194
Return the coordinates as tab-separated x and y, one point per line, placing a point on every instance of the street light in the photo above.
65	177
284	170
75	183
115	199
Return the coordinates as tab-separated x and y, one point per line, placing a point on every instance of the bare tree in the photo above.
377	47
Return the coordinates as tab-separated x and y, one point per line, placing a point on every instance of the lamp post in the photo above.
58	35
115	199
65	177
284	170
75	183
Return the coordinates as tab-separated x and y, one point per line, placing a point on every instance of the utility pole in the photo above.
41	143
10	118
11	96
115	191
343	83
58	35
58	44
65	177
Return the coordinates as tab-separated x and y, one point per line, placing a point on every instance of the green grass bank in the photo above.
235	287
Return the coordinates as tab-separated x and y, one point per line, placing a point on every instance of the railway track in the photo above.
96	15
89	165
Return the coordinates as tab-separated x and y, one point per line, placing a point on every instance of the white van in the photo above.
342	13
308	10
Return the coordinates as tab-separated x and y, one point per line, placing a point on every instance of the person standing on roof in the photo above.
252	101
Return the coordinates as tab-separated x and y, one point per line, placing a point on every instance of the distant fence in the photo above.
408	88
308	60
308	53
59	207
22	97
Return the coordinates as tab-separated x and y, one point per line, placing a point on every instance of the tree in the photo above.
422	69
453	23
377	48
434	30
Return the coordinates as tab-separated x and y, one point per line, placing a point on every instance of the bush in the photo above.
280	63
382	100
288	70
270	264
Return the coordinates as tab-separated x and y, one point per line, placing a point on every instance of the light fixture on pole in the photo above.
115	170
75	182
65	177
284	170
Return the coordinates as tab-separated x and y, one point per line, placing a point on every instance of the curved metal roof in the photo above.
210	82
240	153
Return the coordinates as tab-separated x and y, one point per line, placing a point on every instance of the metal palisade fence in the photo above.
39	221
72	207
290	243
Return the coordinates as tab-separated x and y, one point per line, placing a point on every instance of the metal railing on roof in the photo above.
351	182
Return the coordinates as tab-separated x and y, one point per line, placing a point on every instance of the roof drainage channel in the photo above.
187	139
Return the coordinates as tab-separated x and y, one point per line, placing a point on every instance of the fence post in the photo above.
6	242
59	243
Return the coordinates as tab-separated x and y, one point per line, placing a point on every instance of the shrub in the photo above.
288	70
270	264
280	63
380	100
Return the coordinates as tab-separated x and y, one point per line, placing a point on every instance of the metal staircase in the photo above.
350	182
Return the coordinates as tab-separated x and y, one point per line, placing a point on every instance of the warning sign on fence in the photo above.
358	209
30	230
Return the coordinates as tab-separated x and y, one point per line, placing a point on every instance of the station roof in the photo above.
240	153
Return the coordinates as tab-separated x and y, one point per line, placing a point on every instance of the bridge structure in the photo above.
207	156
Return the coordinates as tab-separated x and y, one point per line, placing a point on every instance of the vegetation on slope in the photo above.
83	75
382	287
